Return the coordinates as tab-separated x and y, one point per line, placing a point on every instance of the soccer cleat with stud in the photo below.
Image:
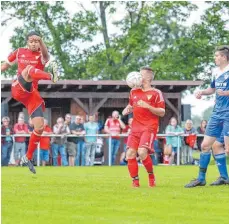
135	183
220	181
54	72
152	181
195	183
25	161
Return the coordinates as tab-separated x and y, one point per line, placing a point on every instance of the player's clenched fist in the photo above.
143	104
198	94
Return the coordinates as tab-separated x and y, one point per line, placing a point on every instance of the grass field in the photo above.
104	195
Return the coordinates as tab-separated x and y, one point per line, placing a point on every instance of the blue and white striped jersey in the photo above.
220	80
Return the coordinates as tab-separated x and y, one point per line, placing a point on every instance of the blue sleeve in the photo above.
213	82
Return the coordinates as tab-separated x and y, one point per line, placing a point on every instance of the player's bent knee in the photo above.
142	152
205	147
131	153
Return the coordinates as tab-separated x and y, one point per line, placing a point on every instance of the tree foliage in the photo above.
149	33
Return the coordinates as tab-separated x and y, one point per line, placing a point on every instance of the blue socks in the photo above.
222	164
204	161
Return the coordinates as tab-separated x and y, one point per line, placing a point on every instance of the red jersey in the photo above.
24	57
20	127
114	127
45	141
143	119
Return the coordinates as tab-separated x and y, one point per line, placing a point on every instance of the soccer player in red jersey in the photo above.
31	62
147	105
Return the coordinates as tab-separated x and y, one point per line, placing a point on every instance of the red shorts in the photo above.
142	139
31	100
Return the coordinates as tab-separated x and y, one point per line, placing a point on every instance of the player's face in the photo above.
219	58
33	43
147	76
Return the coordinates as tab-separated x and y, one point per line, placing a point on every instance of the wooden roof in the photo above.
104	86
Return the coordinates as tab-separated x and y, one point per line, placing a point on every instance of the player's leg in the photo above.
30	73
38	122
220	158
146	141
205	157
131	155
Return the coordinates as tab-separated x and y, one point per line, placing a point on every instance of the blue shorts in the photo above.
218	127
174	149
44	155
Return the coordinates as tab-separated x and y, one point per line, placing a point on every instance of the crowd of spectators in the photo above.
81	149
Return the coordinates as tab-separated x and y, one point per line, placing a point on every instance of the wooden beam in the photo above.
48	87
117	87
6	100
90	105
99	87
80	87
64	86
86	95
174	109
179	109
99	105
80	103
170	87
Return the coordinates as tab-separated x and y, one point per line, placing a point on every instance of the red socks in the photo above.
148	164
38	74
33	142
133	167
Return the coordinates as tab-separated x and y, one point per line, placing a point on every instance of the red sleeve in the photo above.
15	128
131	98
12	58
160	103
107	123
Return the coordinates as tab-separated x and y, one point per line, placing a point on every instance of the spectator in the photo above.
58	145
71	147
68	119
45	144
82	120
126	130
189	142
91	128
113	127
201	130
172	141
77	129
20	142
7	142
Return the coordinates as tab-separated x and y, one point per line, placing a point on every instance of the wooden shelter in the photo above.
88	97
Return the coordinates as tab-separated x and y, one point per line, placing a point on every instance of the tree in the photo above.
150	33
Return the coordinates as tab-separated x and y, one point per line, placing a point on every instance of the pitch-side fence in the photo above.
109	142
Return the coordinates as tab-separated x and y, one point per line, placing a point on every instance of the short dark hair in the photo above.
146	68
224	50
32	33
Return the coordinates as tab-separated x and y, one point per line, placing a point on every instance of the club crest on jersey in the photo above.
149	97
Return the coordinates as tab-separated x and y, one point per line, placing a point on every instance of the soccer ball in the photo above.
134	79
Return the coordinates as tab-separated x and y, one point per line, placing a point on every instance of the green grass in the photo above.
104	195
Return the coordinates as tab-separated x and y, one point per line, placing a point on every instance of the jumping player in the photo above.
31	62
147	105
218	124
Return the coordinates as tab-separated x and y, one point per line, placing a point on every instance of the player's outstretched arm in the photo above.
4	66
206	92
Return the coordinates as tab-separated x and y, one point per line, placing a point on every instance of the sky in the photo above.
198	106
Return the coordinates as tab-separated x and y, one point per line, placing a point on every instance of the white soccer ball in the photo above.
134	79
